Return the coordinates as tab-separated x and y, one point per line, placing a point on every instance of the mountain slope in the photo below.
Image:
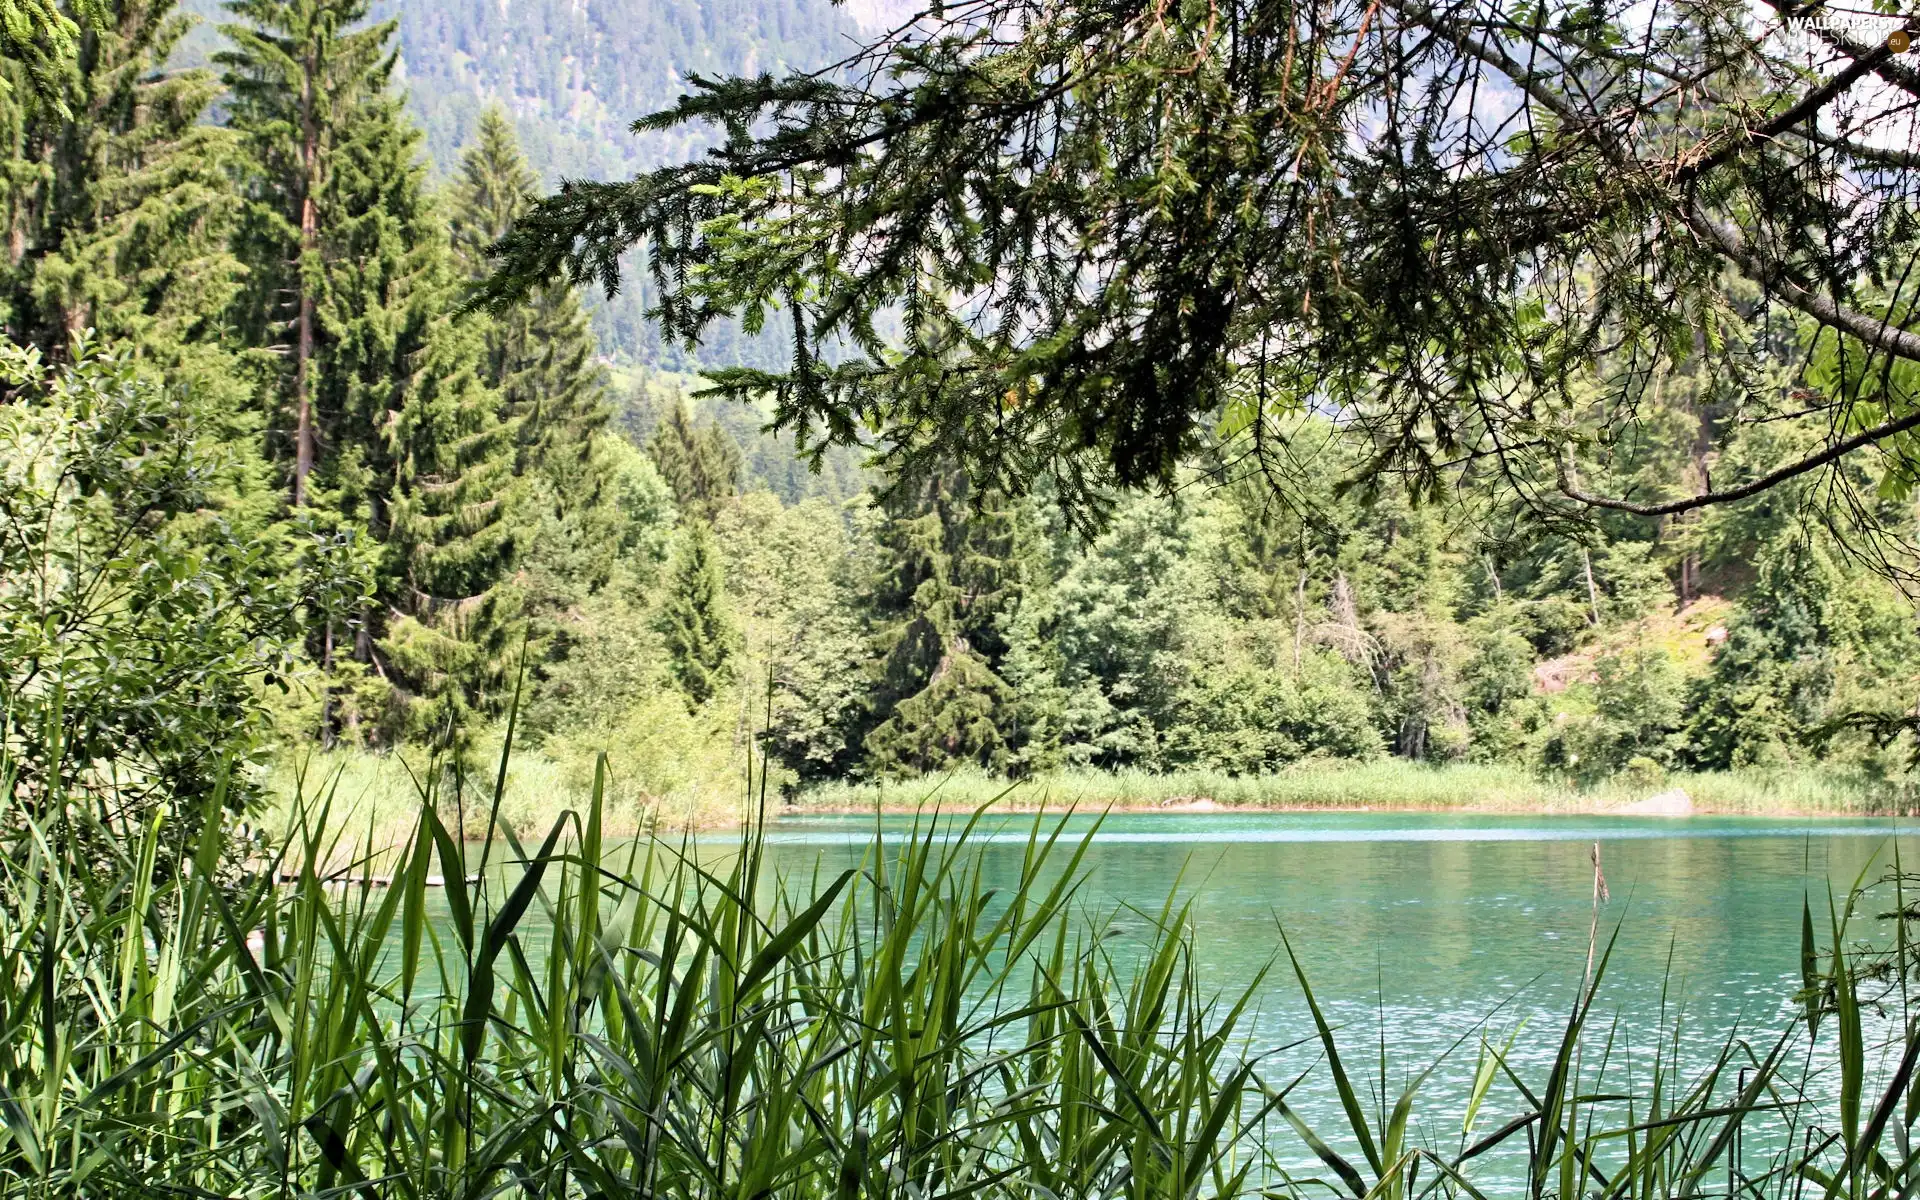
573	75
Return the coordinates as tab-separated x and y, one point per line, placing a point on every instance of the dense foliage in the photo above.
428	512
1488	236
135	630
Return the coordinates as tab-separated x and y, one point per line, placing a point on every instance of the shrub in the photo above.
135	634
1257	719
1638	710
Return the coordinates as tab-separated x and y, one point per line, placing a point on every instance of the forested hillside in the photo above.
574	76
571	77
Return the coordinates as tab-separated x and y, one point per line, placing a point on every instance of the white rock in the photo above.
1190	804
1671	803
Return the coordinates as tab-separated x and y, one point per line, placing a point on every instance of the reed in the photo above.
1388	783
586	1018
378	797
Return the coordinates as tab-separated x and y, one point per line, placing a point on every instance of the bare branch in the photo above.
1754	487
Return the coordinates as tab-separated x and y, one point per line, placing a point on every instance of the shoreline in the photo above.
1218	809
708	823
379	792
1391	785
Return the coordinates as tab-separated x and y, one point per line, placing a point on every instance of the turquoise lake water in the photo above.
1415	928
1420	932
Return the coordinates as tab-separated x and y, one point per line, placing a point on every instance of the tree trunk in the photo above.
1703	436
1299	620
303	437
362	652
326	695
1593	593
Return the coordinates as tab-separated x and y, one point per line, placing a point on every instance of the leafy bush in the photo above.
1555	625
1638	711
134	643
1498	685
1254	719
793	573
673	765
1817	637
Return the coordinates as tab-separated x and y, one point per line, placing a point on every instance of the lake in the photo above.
1416	928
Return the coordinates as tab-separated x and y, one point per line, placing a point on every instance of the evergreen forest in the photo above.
251	393
570	78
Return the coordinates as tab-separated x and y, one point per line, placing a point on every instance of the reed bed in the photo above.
569	1018
377	797
1381	784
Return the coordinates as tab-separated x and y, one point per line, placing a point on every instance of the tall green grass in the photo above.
572	1018
377	797
1390	783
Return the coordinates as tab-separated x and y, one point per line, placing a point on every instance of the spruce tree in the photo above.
335	211
540	359
701	465
117	200
1083	233
947	577
693	621
451	537
39	40
396	428
540	355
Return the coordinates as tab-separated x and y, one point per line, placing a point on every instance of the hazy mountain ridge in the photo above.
574	74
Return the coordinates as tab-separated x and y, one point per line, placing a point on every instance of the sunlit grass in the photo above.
1382	784
377	797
